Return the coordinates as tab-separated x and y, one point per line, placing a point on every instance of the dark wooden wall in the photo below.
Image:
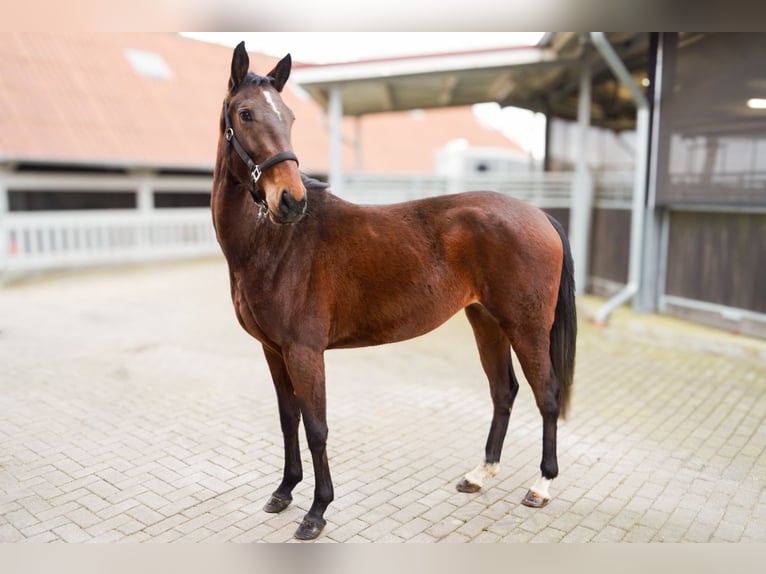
561	215
718	258
610	244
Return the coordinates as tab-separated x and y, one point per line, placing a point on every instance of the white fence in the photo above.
541	189
547	190
47	240
38	240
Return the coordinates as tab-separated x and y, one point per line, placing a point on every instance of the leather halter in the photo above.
256	170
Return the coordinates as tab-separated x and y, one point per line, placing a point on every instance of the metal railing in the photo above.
47	240
39	240
380	188
547	190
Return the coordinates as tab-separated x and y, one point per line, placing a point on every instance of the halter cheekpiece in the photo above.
256	170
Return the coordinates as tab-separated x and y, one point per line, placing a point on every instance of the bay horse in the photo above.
310	271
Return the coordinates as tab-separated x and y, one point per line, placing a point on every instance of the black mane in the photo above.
312	183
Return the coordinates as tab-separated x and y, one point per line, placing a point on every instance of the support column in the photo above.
144	209
548	120
639	181
581	206
4	231
358	164
335	110
145	195
652	271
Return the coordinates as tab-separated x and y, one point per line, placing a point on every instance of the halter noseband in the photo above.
256	170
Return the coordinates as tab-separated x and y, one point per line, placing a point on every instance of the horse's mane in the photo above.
311	183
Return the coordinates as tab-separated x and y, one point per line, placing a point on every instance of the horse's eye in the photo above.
245	116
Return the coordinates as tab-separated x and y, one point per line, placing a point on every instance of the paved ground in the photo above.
133	408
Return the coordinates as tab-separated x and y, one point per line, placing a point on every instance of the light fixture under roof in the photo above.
149	64
756	103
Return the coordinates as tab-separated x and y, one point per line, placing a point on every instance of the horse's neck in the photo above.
236	218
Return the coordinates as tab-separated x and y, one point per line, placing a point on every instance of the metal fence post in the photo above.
335	109
582	189
4	230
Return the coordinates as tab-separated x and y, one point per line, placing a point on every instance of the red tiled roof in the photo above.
406	141
75	98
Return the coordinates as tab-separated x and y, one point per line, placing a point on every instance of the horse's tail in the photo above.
564	331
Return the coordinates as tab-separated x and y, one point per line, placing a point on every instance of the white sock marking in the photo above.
540	487
272	103
484	470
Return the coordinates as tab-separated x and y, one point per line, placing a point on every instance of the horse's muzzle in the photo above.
290	210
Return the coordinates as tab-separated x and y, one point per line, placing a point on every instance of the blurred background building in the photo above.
654	153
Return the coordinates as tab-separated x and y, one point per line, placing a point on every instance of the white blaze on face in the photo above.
272	103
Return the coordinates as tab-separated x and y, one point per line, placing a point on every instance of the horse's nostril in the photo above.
286	202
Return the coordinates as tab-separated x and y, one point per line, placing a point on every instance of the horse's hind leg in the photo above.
533	352
290	418
495	354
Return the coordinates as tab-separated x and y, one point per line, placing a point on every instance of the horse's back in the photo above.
474	225
481	207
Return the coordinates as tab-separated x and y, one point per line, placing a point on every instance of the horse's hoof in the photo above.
309	530
465	486
276	504
534	500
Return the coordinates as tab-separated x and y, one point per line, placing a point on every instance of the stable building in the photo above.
655	154
684	231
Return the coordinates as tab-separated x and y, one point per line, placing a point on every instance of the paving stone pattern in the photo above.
133	408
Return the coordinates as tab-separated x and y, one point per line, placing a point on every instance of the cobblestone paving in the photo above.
133	408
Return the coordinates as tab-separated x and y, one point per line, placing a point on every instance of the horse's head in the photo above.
256	124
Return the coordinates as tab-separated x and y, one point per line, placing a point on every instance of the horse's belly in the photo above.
380	324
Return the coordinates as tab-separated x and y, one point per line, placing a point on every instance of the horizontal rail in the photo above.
104	182
44	240
544	189
39	240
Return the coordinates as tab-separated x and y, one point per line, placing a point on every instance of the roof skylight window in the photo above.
149	64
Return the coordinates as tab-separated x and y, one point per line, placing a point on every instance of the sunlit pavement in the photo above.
134	408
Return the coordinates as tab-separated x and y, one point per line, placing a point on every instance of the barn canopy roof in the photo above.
542	78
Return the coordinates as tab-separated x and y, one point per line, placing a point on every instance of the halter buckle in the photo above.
256	174
228	134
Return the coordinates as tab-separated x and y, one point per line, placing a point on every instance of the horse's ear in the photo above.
281	72
240	64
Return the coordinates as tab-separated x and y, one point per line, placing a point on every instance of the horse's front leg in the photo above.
290	418
306	369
